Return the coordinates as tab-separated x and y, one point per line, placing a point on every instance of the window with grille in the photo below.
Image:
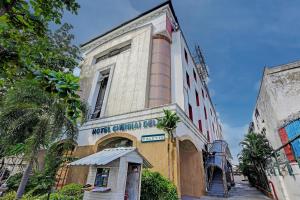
208	136
102	85
187	79
200	125
195	76
101	179
186	56
197	98
256	113
190	112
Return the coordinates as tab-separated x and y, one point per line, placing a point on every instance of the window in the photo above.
190	112
256	113
187	79
263	131
113	52
101	179
292	131
195	76
202	93
102	85
208	136
205	113
197	98
200	125
186	56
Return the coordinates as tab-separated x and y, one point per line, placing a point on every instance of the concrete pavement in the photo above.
241	191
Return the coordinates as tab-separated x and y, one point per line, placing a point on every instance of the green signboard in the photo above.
153	138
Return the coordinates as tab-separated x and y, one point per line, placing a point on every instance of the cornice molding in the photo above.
127	28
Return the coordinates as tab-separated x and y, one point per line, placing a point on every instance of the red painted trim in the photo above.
284	139
273	189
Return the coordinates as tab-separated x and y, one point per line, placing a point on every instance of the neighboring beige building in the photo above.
128	77
277	115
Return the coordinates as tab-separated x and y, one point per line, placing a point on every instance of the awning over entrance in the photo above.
108	155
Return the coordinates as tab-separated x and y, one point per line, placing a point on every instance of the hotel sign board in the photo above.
153	138
149	123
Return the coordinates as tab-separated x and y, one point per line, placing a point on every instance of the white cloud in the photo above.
234	135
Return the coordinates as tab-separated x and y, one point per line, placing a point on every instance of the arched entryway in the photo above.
114	140
114	143
192	181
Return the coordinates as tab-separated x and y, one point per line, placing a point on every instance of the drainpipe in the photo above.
273	189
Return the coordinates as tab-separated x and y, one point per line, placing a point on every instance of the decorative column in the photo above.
160	72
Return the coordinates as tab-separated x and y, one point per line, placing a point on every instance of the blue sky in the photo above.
238	38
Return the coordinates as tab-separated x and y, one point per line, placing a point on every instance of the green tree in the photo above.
39	104
255	148
37	118
41	181
26	42
168	124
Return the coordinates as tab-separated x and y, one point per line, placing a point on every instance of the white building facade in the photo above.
128	77
277	115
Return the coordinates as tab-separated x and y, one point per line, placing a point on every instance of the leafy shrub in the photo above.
14	181
9	196
12	196
58	196
37	184
157	187
72	189
69	192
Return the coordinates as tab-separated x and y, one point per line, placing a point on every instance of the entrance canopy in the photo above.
108	155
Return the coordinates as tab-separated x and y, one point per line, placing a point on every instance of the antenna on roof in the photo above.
200	63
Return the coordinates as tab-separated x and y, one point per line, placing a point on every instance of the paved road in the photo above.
241	191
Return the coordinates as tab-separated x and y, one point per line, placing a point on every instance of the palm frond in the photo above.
168	122
31	115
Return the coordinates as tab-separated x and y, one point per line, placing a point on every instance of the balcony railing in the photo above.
278	161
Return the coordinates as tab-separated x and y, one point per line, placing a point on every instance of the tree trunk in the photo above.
265	177
24	179
169	167
173	159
